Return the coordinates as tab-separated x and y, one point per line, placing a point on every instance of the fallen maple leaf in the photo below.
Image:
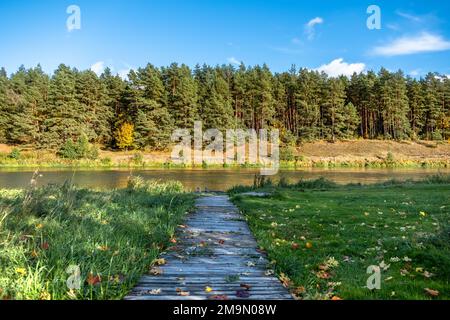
156	271
285	280
431	292
154	292
308	245
93	280
336	298
159	262
45	246
208	289
173	240
182	293
323	275
295	246
427	274
269	272
299	290
221	241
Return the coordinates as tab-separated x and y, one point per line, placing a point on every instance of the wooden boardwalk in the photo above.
215	257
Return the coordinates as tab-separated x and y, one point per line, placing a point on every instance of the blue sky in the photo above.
327	35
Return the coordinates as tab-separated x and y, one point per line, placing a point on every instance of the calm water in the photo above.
218	180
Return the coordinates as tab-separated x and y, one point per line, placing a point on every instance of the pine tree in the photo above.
432	107
214	101
416	107
29	95
115	88
4	105
93	101
181	95
146	102
349	123
308	100
334	102
64	116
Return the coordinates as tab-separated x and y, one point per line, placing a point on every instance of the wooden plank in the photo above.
215	245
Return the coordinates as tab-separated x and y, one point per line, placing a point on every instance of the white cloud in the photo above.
424	42
124	73
296	41
233	60
310	27
338	67
313	22
415	72
98	67
409	16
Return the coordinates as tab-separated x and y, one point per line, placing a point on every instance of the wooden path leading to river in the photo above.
215	257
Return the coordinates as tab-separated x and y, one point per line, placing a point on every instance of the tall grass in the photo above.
262	183
112	236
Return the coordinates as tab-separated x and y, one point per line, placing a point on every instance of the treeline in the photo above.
42	111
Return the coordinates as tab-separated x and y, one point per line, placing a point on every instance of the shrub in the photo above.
107	161
390	160
78	150
69	150
14	154
138	159
287	153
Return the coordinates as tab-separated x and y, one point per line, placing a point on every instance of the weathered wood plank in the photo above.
215	245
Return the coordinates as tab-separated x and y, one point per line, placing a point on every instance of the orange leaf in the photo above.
93	280
336	298
308	245
431	292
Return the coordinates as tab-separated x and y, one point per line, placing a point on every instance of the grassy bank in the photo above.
112	236
321	238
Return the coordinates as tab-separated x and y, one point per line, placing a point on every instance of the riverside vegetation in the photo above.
319	154
112	236
322	237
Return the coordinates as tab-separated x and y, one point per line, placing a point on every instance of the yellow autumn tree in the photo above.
124	136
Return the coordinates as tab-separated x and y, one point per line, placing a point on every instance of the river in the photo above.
218	180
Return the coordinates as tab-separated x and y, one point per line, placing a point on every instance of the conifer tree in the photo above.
181	94
4	105
64	116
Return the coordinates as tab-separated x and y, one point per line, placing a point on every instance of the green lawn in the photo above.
321	238
112	236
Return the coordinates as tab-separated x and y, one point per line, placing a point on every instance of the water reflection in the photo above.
219	180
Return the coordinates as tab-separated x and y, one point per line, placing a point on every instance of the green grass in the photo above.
113	236
308	226
42	159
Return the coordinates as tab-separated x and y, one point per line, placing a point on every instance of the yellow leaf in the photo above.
159	262
21	271
208	289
